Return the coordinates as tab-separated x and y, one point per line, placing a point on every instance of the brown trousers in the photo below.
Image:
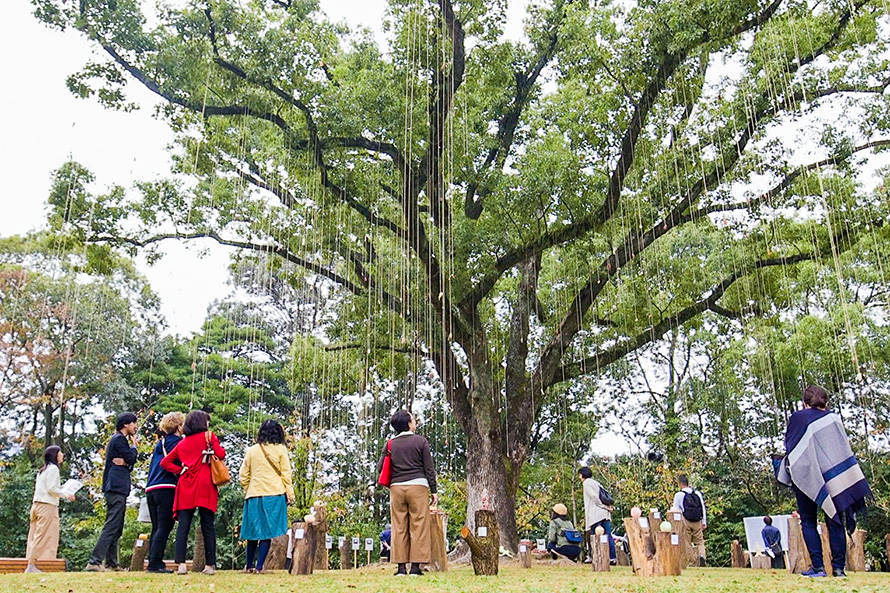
696	539
43	536
409	508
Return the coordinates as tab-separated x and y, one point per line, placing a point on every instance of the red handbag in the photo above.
385	478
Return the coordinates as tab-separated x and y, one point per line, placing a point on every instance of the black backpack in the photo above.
605	497
693	509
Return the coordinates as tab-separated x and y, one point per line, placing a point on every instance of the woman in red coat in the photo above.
195	490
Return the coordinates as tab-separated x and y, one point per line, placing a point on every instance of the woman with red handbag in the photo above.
195	491
407	469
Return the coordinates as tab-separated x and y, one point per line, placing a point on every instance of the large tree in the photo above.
520	213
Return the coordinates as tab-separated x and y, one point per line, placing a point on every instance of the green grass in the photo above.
541	579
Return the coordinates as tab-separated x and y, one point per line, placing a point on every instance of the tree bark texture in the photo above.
761	561
322	559
689	555
856	551
798	556
484	542
738	555
198	558
599	553
525	553
642	546
438	543
140	553
346	554
668	555
304	548
277	553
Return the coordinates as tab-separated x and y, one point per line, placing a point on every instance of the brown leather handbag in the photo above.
219	473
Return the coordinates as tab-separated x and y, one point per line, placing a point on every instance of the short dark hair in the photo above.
815	397
400	420
683	480
270	432
196	421
50	456
768	520
585	472
124	419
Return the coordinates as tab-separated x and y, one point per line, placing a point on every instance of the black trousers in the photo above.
106	548
160	507
208	528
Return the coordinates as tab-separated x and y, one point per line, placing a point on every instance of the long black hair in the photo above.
270	433
50	456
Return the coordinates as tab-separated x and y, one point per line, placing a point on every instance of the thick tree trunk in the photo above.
487	478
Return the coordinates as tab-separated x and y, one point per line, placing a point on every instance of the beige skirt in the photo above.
43	536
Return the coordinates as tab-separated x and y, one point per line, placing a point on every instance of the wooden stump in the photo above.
525	553
798	556
438	543
599	553
642	547
346	554
484	544
668	555
140	552
305	542
738	555
322	556
761	561
198	558
277	554
856	551
689	556
621	557
826	544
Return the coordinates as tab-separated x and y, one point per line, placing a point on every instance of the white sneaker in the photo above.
183	569
32	569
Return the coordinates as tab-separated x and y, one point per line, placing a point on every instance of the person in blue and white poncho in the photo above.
821	468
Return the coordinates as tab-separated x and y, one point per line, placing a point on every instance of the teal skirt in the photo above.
264	517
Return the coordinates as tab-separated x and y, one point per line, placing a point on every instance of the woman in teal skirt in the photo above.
268	488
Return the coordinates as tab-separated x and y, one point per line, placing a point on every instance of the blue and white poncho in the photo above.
820	463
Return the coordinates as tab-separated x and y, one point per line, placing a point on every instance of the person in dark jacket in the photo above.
160	490
413	483
120	457
772	540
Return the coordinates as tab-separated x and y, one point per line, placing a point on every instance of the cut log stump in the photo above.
525	553
856	551
305	542
599	552
798	556
198	558
761	561
484	544
668	554
438	543
346	554
642	546
277	554
322	556
738	555
140	552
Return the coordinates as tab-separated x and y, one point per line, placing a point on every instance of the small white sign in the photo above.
341	541
542	545
482	531
644	522
678	516
300	533
604	539
328	541
523	548
675	539
356	543
369	544
655	513
819	529
140	543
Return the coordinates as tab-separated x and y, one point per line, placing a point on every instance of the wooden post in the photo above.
438	543
668	555
621	557
140	552
322	557
525	553
305	542
738	555
856	551
688	556
484	544
642	546
277	553
761	561
198	562
826	545
346	554
798	556
599	552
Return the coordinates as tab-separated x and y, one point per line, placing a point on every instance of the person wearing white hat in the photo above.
562	537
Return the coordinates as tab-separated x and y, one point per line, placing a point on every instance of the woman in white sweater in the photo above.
43	536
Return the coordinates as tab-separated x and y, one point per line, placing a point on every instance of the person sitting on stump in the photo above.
562	537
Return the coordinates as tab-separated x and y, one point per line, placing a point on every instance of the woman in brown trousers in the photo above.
413	483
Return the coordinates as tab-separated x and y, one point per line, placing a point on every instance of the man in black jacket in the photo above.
120	457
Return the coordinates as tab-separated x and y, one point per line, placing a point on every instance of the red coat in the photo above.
195	487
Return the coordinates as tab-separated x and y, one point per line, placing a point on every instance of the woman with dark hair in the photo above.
819	465
268	488
562	538
160	490
413	482
43	534
195	491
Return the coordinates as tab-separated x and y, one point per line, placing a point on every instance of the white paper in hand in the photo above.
71	487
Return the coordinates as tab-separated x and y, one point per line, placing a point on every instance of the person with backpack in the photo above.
597	508
691	504
562	537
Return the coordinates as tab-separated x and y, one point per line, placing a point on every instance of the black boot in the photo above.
401	571
415	570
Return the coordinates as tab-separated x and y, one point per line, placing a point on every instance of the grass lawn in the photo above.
511	579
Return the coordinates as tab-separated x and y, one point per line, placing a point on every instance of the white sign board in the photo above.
542	545
356	543
523	548
482	531
754	531
300	533
341	541
369	544
328	541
